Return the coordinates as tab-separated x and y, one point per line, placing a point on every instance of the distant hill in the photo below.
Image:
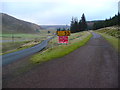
54	27
90	24
14	25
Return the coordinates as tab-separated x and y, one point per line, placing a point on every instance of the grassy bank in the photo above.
112	35
61	50
112	31
10	47
112	40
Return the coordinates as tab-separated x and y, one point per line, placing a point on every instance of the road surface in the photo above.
94	65
11	57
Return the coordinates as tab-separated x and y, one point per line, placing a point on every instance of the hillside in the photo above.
54	27
112	21
112	31
90	24
14	25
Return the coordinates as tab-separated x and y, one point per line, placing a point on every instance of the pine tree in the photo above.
118	21
83	23
72	26
76	24
79	25
108	22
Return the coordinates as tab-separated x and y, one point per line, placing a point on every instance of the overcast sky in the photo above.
59	11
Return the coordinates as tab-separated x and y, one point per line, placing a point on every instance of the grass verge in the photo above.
59	51
112	40
53	52
10	47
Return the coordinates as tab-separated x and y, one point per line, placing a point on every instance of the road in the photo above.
11	57
94	65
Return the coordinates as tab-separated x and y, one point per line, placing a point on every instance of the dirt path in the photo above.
94	65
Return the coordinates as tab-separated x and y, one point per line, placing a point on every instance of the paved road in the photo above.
11	57
94	65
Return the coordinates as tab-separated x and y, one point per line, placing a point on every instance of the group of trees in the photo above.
62	29
81	25
108	22
77	26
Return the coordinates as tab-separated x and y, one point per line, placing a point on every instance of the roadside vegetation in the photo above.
56	50
112	35
10	47
52	51
112	21
15	42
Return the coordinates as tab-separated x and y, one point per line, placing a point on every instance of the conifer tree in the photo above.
83	23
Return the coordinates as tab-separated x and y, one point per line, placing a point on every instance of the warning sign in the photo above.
63	33
63	39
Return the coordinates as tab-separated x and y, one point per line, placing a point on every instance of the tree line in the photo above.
78	25
81	25
115	20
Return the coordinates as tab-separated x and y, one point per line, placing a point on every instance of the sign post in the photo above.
63	36
63	39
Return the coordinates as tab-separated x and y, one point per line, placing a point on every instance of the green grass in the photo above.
10	47
53	52
43	33
110	31
25	37
112	40
59	51
72	38
112	35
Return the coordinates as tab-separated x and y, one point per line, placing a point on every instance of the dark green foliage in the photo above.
58	29
37	30
108	22
74	25
61	29
83	23
118	18
78	26
48	31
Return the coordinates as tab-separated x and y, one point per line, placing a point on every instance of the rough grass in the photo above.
112	31
59	51
112	35
72	38
21	39
112	40
10	47
25	37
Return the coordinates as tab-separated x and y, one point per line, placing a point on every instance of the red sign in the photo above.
63	39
